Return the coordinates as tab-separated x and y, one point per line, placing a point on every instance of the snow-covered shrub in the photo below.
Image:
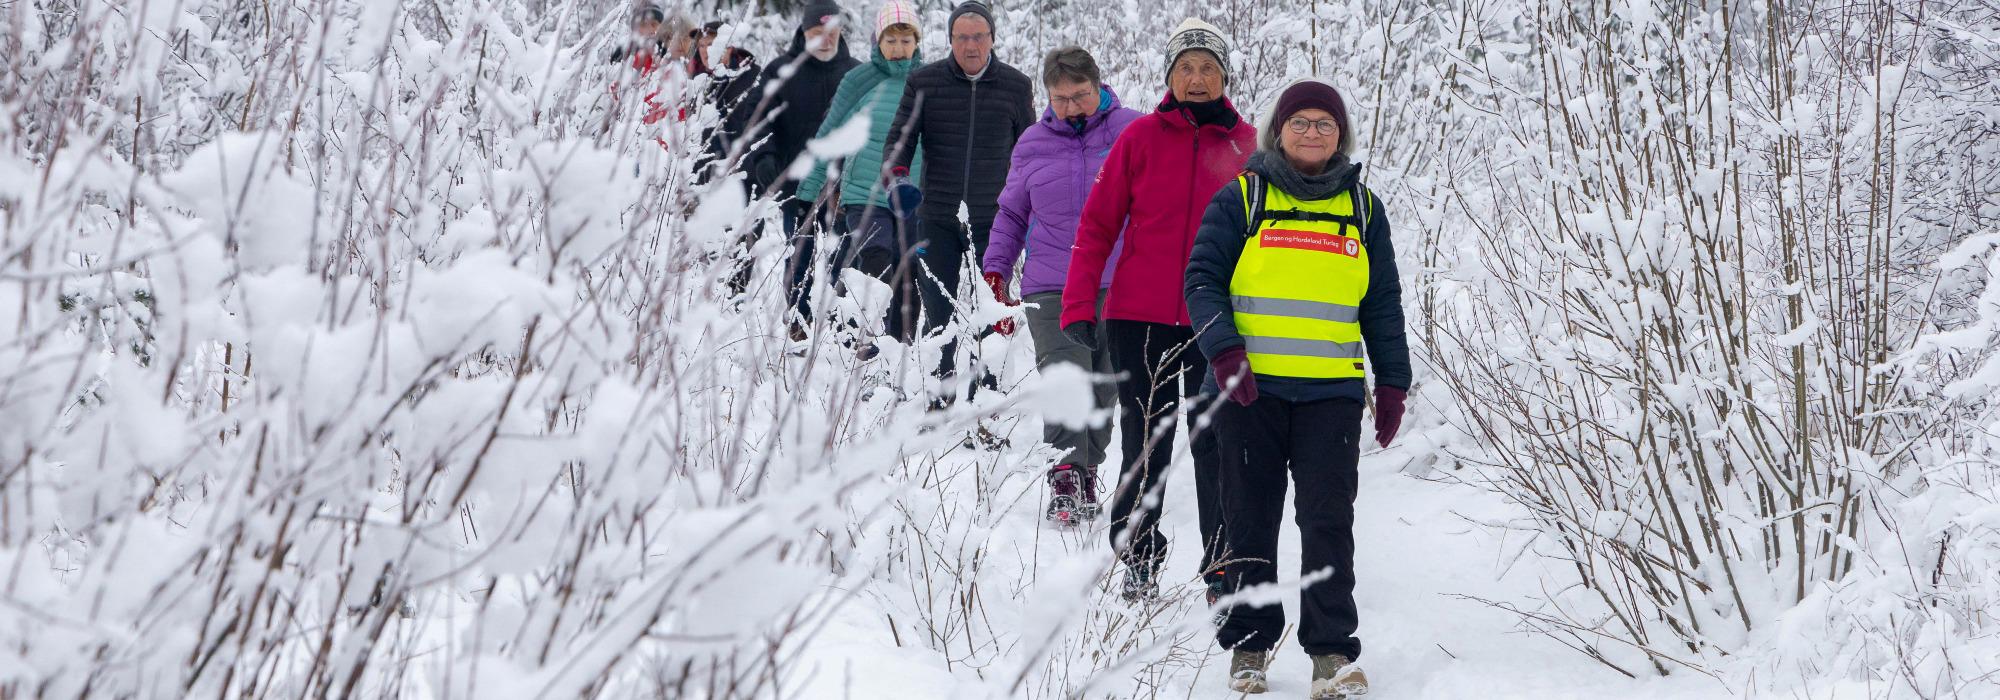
1670	280
385	349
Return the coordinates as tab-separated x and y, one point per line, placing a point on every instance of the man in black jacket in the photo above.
729	86
787	116
967	111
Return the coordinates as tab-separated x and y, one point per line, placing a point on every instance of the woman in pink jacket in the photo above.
1151	193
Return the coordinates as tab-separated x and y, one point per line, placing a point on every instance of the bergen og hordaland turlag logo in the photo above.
1310	240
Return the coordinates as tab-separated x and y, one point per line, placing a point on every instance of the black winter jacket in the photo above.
792	114
1218	244
729	87
967	129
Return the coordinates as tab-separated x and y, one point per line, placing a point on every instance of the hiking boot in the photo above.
1139	586
987	439
1086	499
1215	592
1064	489
1246	671
1335	677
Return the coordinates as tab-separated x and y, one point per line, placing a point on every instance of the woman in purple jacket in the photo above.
1054	165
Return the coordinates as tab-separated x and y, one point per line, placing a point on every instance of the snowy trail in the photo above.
1417	556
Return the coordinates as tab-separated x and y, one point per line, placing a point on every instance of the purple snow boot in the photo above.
1072	494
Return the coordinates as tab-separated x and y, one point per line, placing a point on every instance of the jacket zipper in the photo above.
971	133
1077	184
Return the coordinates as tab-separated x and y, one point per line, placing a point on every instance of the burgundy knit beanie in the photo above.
1310	94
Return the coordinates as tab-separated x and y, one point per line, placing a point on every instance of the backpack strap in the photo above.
1361	196
1255	213
1356	218
1303	215
1253	201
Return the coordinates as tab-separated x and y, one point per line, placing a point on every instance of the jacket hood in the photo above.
894	68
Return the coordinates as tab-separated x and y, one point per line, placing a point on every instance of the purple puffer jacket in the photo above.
1053	169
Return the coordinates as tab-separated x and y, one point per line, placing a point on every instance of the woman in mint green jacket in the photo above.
876	244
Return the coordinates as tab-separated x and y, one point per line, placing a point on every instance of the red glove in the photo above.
1388	413
1232	364
999	286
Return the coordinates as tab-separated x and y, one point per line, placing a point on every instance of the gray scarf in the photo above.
1276	169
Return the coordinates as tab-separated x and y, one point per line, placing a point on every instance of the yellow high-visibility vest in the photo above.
1297	288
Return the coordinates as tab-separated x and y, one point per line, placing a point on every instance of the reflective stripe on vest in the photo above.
1296	291
1260	345
1297	308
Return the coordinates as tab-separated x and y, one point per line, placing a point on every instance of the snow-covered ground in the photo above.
369	349
1427	557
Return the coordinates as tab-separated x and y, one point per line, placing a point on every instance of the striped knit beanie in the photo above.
894	12
1196	35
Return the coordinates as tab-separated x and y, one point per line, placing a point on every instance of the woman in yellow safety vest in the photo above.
1292	276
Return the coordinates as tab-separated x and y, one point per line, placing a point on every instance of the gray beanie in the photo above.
1192	35
976	9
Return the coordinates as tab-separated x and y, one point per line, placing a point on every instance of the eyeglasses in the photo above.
1325	127
971	38
1191	67
1075	100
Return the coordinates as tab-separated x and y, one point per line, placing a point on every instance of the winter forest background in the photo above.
371	349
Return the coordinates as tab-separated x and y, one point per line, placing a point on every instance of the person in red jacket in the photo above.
1152	190
657	41
647	42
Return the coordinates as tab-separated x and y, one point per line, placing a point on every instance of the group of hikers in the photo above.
1242	270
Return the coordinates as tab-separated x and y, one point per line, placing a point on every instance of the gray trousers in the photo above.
1083	447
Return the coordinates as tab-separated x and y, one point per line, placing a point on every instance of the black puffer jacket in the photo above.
729	87
967	129
793	112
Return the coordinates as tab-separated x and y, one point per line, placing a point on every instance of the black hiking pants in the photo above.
944	244
1319	442
1159	366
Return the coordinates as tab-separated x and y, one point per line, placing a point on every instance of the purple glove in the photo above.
1388	413
1233	363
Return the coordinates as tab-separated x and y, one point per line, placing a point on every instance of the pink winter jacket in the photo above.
1154	186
